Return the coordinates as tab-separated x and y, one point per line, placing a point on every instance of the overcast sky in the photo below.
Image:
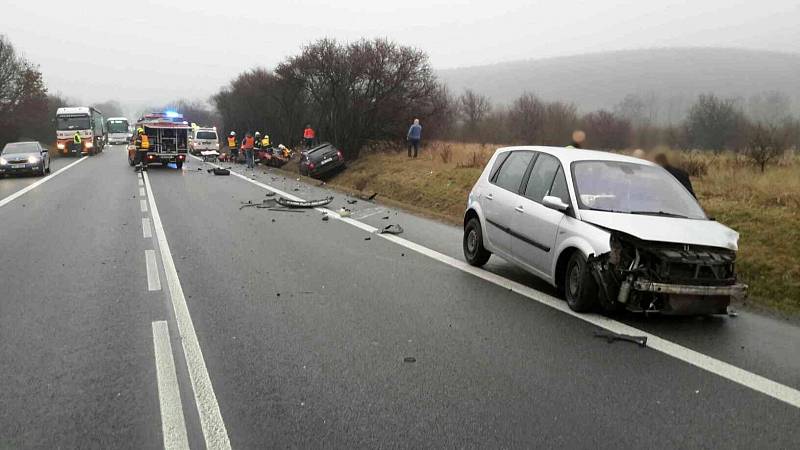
150	52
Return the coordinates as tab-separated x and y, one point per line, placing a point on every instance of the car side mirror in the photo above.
556	203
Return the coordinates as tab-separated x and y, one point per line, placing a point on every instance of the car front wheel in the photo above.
474	251
580	288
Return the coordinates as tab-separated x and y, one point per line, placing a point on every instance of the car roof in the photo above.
23	142
570	155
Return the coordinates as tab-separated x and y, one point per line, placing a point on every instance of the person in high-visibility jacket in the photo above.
308	136
248	144
265	141
142	143
76	142
232	147
257	138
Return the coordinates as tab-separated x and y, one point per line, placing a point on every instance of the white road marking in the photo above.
33	186
216	436
143	205
153	280
141	183
173	426
141	192
146	230
725	370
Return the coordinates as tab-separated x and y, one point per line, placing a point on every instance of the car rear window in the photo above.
209	135
513	169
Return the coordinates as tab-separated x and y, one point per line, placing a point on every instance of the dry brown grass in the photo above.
763	208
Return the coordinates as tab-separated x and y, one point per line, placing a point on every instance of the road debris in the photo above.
344	212
409	359
610	337
220	171
367	238
325	218
385	218
391	229
304	203
352	201
270	194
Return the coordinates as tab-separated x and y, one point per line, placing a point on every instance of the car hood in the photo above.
666	229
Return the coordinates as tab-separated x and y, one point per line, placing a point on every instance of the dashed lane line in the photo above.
725	370
153	280
147	230
173	425
214	431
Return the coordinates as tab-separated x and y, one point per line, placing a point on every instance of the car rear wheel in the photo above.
580	288
474	251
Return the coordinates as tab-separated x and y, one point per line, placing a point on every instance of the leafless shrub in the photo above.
475	160
446	153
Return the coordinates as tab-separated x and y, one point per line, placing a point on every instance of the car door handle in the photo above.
519	209
489	197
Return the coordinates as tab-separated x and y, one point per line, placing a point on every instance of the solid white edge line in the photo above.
147	231
725	370
153	280
173	425
216	436
33	186
143	205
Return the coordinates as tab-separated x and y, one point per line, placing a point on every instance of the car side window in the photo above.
498	162
559	188
513	169
541	178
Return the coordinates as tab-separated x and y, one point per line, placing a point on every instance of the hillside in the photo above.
673	76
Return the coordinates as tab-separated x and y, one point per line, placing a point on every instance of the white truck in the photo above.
88	123
119	131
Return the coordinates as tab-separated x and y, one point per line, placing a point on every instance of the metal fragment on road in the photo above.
610	337
409	359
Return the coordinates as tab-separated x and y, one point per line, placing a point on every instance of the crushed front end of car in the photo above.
669	278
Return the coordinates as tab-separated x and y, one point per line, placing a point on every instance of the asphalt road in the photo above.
289	331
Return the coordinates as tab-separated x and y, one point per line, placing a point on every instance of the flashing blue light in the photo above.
173	114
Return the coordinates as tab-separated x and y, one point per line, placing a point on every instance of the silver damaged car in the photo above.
609	231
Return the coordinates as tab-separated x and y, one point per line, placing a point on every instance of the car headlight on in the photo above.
60	146
33	159
89	144
3	162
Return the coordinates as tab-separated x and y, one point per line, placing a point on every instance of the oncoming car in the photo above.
24	157
607	230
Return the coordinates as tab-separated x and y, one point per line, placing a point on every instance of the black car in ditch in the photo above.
24	157
321	160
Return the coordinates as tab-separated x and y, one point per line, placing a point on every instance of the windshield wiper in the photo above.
658	213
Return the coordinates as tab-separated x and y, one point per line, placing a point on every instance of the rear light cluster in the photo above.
339	154
311	165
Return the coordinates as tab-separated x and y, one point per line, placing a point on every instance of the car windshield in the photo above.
20	147
632	188
209	135
73	122
117	126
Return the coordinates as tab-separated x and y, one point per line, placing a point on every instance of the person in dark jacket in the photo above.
679	174
413	137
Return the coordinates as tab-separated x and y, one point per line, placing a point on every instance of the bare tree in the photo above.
526	119
606	131
714	123
765	143
473	107
561	119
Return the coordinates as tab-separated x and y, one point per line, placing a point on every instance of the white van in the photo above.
204	139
